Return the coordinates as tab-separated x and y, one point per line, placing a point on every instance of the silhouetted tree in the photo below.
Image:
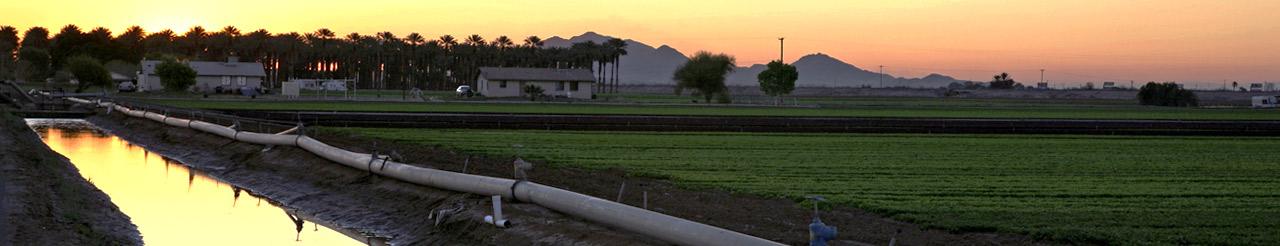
193	43
374	61
88	71
778	79
532	91
33	64
8	52
1002	81
704	72
175	76
36	37
68	42
617	48
1167	94
132	44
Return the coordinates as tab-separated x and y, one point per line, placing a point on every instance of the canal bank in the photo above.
408	214
172	204
44	200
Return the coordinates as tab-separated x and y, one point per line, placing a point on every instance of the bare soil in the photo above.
45	201
388	208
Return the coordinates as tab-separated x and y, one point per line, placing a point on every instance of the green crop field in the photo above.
1075	189
868	108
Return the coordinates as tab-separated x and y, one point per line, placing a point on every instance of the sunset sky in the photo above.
1075	41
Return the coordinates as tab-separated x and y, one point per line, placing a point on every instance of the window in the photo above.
241	80
502	84
573	86
560	86
226	80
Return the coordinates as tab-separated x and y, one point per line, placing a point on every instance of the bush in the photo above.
533	91
1167	94
33	65
89	72
1003	81
176	76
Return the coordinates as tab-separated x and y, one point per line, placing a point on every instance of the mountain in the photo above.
645	64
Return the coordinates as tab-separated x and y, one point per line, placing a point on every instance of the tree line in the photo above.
378	61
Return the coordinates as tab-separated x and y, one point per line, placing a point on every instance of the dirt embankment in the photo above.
384	207
45	201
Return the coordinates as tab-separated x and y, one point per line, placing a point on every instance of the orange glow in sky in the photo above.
1075	41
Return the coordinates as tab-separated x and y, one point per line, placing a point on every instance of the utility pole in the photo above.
881	76
1041	75
780	48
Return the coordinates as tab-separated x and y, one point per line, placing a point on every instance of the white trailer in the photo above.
1266	101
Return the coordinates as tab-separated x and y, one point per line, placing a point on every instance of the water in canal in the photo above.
172	204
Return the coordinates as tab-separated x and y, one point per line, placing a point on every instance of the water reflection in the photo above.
170	210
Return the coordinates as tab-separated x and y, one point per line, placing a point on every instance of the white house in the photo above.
507	82
210	76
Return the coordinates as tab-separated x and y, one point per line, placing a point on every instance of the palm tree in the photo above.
618	48
533	42
324	58
232	35
448	41
222	43
376	60
253	45
193	42
287	50
161	42
474	56
415	63
68	41
231	30
503	42
36	37
390	65
9	50
475	40
132	42
449	61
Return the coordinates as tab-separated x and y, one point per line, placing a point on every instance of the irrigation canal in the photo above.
172	204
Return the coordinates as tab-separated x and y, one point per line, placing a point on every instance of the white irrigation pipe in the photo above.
665	227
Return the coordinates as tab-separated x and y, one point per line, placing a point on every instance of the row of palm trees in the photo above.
378	61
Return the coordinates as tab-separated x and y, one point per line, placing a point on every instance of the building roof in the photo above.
119	77
207	68
536	74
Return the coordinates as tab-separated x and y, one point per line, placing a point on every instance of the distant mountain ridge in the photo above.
645	64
